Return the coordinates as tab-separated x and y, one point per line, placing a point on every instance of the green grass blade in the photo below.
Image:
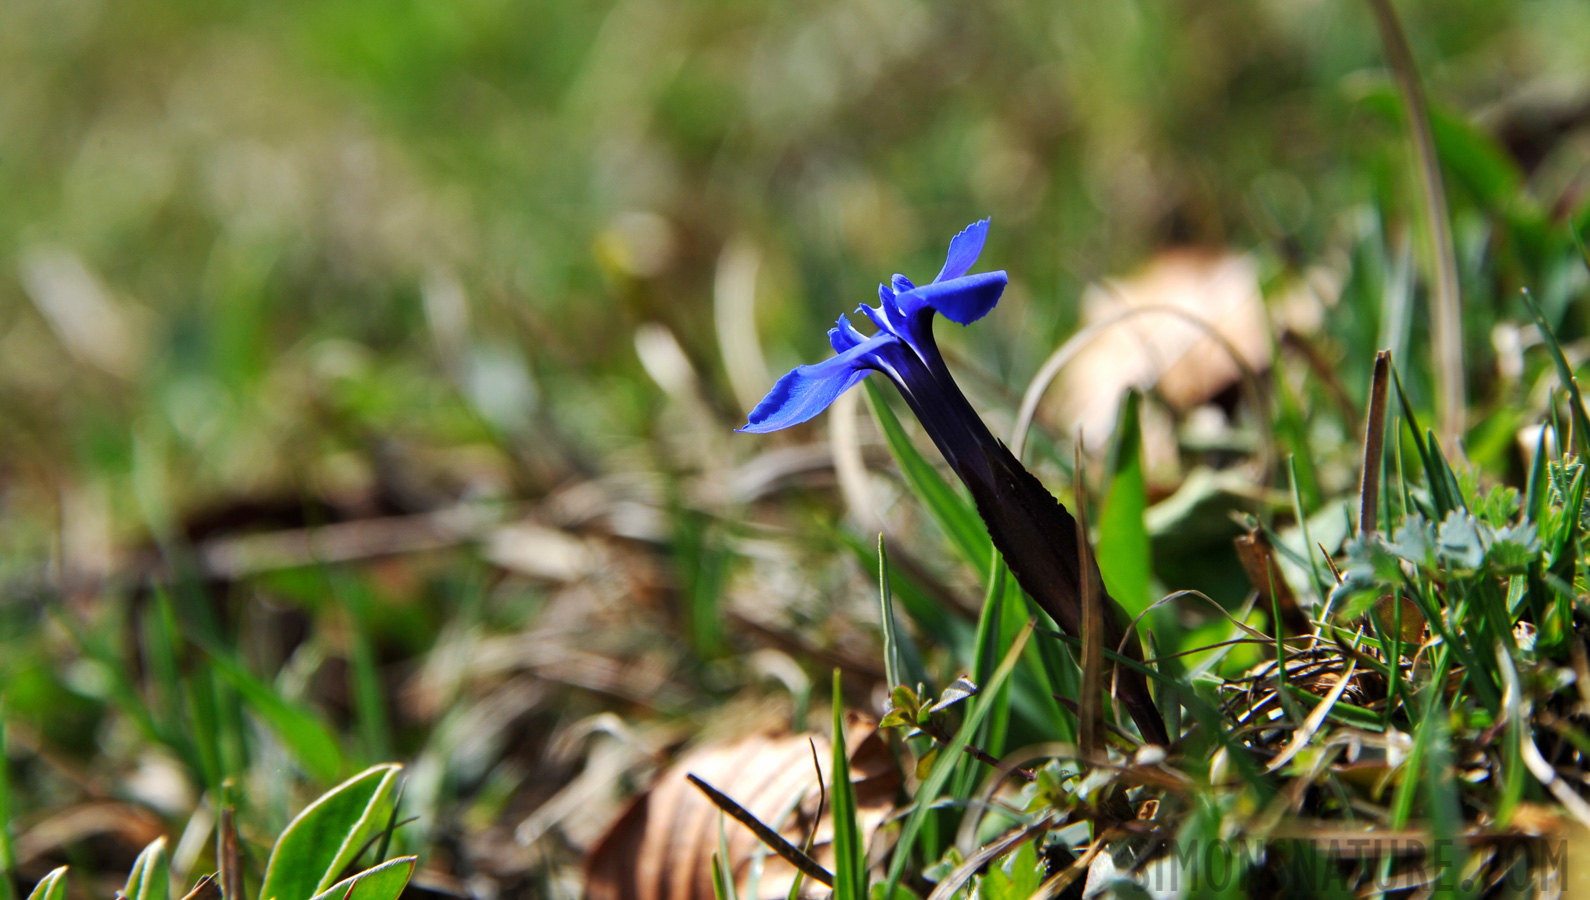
8	854
891	644
312	744
1442	472
1122	549
850	863
1302	526
369	705
1437	486
1581	421
925	610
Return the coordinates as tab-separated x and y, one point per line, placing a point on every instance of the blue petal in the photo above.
844	335
901	284
808	390
964	249
963	300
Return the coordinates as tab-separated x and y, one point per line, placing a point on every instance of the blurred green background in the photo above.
481	288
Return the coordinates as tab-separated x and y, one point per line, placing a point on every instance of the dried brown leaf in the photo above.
660	848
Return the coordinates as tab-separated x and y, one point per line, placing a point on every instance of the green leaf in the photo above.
311	743
328	834
150	878
383	882
1123	547
948	507
51	887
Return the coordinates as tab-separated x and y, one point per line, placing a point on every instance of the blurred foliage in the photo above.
367	370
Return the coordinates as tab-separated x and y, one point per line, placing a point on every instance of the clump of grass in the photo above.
1425	733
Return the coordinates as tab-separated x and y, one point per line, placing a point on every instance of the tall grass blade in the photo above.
850	862
1446	333
891	644
1576	409
8	853
1123	550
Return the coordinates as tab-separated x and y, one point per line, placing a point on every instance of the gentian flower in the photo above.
904	351
1035	534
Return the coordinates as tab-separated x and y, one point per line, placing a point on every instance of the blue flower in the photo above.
903	349
1034	534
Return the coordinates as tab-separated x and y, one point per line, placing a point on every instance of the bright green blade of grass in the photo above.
1437	486
943	626
850	862
8	855
891	643
1441	471
1581	420
991	646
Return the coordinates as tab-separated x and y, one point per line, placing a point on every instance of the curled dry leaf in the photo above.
661	847
1163	350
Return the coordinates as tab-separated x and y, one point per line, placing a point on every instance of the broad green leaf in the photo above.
328	834
1123	547
311	743
948	507
51	887
383	882
150	878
